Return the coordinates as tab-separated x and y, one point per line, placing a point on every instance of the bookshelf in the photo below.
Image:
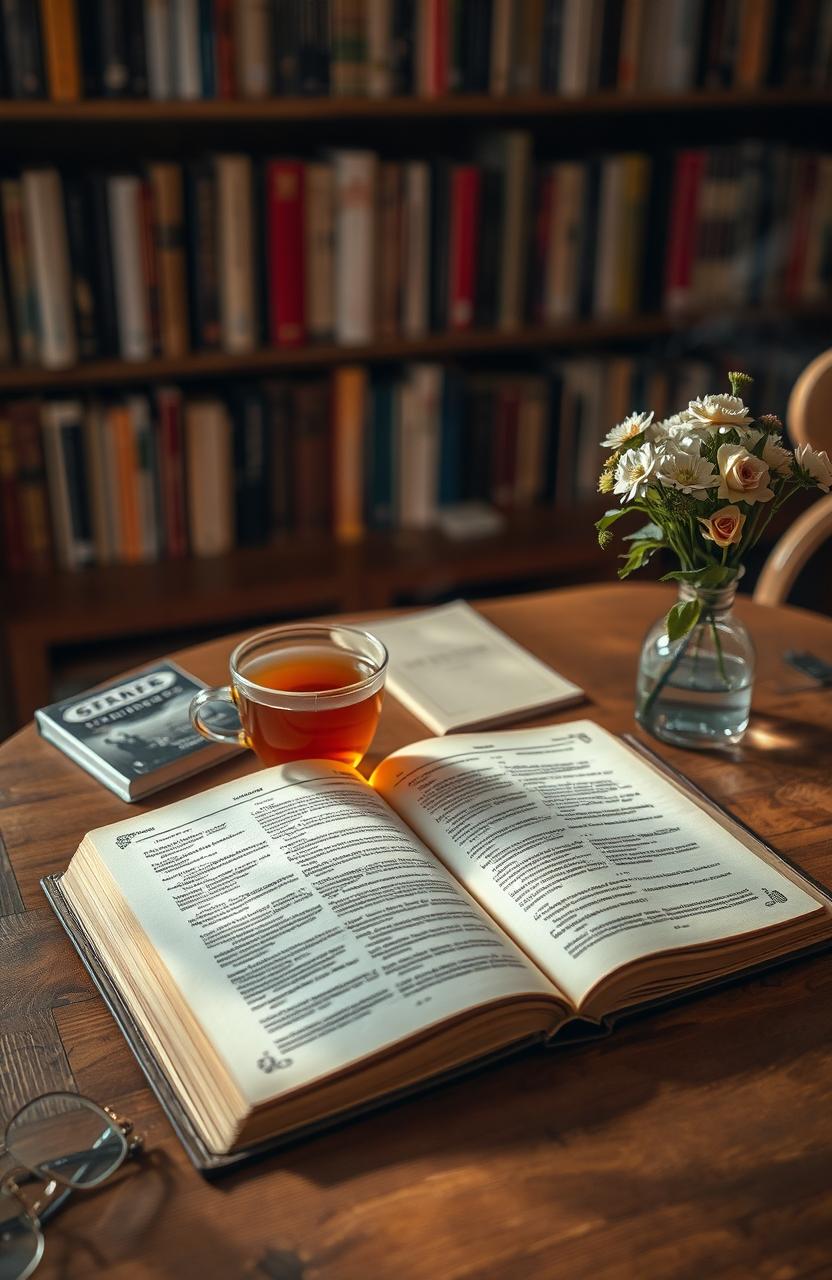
313	574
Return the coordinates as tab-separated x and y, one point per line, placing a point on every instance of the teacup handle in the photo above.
228	737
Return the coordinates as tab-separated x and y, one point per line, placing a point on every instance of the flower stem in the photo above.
668	672
718	646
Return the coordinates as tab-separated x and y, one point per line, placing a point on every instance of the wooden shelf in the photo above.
461	106
437	346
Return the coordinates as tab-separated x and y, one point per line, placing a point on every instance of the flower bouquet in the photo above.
709	480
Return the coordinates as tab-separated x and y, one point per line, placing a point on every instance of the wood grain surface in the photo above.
692	1143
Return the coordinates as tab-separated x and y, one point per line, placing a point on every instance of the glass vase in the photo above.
696	691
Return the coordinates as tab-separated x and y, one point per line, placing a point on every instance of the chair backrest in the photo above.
809	420
809	413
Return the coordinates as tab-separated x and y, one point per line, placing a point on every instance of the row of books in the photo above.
192	49
143	476
229	254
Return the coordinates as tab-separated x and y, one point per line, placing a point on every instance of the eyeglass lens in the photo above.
66	1137
21	1241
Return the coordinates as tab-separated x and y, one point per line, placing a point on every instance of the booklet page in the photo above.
304	923
586	856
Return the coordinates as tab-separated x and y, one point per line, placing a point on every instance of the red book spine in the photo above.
172	473
465	210
504	457
801	219
286	252
14	549
439	46
150	267
224	46
682	237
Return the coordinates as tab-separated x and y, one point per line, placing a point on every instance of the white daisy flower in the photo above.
686	470
719	411
627	430
633	470
779	459
814	462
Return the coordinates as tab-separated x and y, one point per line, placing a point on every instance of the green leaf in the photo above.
639	554
610	517
713	575
651	531
681	575
682	618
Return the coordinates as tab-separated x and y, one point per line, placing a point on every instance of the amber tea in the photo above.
303	692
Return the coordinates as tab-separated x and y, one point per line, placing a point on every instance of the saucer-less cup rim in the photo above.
354	641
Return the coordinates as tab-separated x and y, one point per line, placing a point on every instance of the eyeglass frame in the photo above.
55	1190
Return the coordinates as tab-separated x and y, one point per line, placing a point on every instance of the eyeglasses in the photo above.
65	1142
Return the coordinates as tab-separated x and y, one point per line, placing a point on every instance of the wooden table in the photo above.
693	1142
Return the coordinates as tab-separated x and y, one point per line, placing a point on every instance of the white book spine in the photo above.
355	206
235	216
501	50
67	500
575	50
188	75
419	447
123	198
158	37
47	242
209	470
379	48
320	235
253	46
416	249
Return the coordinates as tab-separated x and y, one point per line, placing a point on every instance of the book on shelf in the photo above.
502	888
233	252
134	735
343	455
190	50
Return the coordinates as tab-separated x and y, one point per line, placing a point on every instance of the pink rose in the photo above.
742	476
724	527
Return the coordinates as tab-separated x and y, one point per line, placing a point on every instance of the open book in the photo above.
300	942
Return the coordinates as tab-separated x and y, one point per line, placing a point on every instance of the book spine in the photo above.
576	47
171	454
355	203
63	64
236	231
146	477
253	48
11	515
319	238
187	68
465	210
66	477
21	281
280	421
380	457
415	249
127	469
47	239
207	49
402	46
169	238
83	292
476	45
225	52
95	462
209	471
389	256
102	261
136	50
450	463
112	35
286	238
515	236
251	469
24	63
150	265
379	51
311	457
24	416
348	75
501	50
755	33
159	47
124	195
418	447
629	49
682	229
798	249
349	397
203	260
527	36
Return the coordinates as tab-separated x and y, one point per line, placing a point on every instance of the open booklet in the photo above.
300	942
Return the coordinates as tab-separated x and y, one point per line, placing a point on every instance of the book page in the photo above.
589	858
305	924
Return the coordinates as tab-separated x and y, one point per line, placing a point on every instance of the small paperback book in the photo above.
135	736
455	670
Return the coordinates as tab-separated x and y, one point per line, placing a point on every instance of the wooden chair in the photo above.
809	418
